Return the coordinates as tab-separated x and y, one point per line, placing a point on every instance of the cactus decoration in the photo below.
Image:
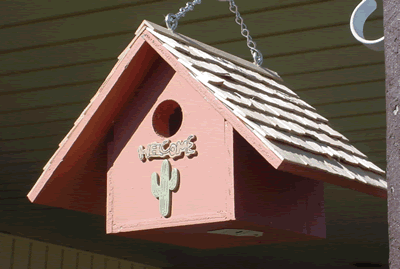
161	188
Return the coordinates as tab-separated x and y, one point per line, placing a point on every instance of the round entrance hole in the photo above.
167	118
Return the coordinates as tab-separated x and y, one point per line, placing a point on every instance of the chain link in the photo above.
172	19
172	22
257	55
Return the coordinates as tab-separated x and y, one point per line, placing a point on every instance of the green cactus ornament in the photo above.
161	188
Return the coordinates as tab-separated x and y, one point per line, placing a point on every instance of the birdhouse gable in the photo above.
170	163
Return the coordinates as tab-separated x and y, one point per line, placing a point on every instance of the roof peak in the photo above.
202	46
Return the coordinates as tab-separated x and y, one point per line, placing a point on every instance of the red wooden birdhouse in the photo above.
188	145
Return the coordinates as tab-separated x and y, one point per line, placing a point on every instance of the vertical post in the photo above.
392	63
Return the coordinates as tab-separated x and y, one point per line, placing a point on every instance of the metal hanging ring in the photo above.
257	56
171	20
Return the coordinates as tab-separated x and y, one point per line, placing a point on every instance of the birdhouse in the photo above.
188	145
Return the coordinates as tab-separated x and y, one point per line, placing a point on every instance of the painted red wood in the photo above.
69	182
269	197
206	191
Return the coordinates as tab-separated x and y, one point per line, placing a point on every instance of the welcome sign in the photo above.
167	149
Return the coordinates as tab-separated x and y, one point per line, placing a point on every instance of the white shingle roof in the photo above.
283	122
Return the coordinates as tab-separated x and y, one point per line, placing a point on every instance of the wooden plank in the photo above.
22	253
34	129
25	208
17	12
99	262
70	258
22	200
28	178
321	60
11	194
381	164
6	249
119	244
23	10
112	263
35	143
125	265
54	260
27	156
324	36
59	55
43	114
335	77
356	122
126	19
5	170
366	134
57	76
344	93
20	186
138	266
371	146
38	255
355	107
379	159
48	97
85	260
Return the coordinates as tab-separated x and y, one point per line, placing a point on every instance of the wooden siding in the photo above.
21	253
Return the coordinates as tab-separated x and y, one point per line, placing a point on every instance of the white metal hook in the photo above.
357	22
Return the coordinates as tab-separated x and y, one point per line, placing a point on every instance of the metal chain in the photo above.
172	19
172	22
257	55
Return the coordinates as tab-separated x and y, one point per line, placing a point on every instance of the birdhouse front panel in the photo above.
170	161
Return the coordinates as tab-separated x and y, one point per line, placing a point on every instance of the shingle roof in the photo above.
287	125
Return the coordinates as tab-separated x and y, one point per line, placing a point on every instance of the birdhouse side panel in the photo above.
276	199
170	162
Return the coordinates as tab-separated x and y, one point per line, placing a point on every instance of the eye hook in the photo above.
357	22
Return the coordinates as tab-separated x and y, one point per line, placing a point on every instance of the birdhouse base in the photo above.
203	236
